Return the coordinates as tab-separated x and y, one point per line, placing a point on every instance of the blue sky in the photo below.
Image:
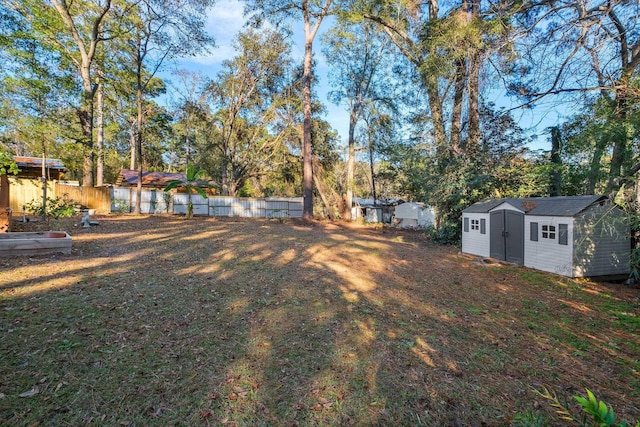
226	20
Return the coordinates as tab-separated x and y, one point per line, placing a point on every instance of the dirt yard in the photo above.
166	321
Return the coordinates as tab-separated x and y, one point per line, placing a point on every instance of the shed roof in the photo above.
32	167
36	162
543	206
377	202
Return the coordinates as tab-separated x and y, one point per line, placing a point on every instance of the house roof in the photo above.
543	206
129	178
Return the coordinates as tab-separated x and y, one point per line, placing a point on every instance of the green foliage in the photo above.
592	412
446	234
121	205
499	166
529	419
191	184
600	412
588	139
58	207
251	111
7	165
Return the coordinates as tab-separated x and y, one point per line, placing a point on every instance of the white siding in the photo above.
547	254
473	242
426	216
373	215
413	215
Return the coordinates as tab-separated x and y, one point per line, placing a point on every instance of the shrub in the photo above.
58	207
447	234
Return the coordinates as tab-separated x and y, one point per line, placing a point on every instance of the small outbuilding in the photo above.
575	236
374	210
35	168
413	215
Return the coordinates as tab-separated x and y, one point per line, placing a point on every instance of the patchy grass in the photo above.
162	321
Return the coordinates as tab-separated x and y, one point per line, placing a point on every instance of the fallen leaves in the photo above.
274	343
322	402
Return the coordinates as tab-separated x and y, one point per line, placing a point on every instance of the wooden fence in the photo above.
98	198
24	191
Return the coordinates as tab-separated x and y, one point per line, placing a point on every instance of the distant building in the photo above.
31	167
373	210
414	215
129	178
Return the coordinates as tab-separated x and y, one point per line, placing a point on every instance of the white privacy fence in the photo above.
124	199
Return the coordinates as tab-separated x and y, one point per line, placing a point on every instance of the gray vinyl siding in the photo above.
601	242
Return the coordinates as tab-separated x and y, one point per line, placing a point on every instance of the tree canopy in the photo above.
431	91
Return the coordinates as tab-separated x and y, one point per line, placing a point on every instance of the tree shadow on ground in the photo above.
158	320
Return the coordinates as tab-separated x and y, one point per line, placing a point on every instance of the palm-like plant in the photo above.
190	183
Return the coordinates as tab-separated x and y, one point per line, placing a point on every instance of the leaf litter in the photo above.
273	322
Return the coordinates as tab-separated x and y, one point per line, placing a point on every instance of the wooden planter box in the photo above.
34	243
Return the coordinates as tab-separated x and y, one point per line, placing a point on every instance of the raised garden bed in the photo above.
34	243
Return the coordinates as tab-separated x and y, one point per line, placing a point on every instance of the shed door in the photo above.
507	236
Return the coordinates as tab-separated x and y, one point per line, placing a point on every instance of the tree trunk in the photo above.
307	164
132	144
594	167
85	114
621	140
4	191
84	63
473	70
100	136
351	161
373	177
138	210
456	116
225	178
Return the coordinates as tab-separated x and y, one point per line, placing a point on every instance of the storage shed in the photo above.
575	236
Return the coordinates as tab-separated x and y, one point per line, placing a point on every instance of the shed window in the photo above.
563	234
483	226
549	232
475	224
466	225
534	231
